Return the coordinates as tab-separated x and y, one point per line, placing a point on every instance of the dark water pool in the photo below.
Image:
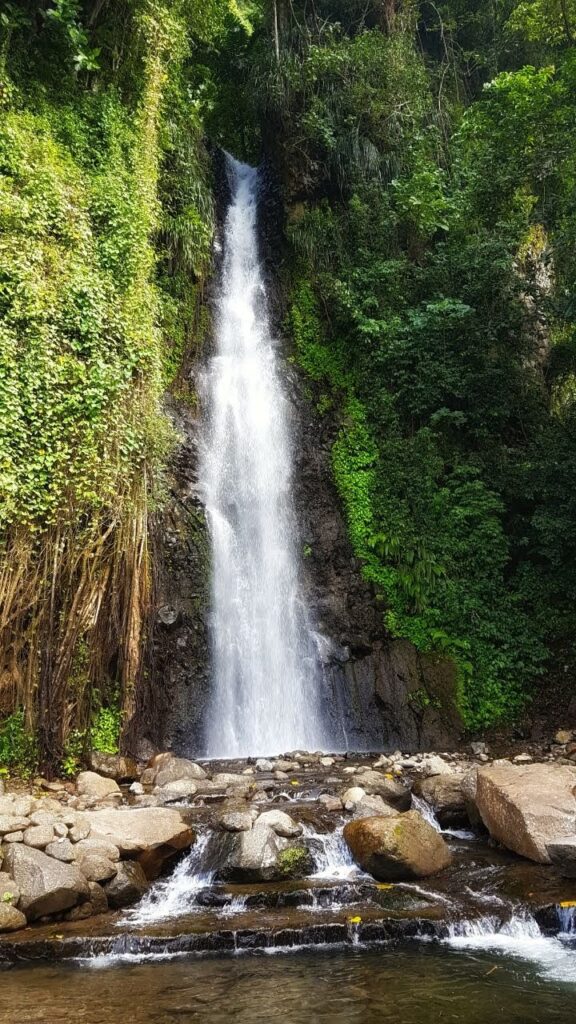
414	984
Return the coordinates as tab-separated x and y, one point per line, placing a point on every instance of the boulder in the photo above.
222	780
14	837
175	769
16	806
236	821
528	807
90	784
62	849
150	835
445	796
373	805
97	868
13	823
352	796
114	766
46	885
282	824
264	765
39	836
10	918
80	829
392	791
96	904
180	789
99	845
251	856
397	848
128	885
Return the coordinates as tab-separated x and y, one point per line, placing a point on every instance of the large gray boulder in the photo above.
46	885
397	848
282	824
90	784
528	807
176	769
251	856
150	835
392	791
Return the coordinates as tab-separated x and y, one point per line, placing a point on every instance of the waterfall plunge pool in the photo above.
411	983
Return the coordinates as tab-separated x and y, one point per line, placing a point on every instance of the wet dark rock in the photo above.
446	798
563	856
128	885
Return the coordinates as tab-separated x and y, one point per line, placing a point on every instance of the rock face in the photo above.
529	807
446	798
387	694
393	792
397	848
150	835
46	886
563	857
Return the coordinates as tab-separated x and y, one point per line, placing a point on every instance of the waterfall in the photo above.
266	677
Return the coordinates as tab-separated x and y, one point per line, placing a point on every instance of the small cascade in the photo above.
520	936
423	808
175	895
567	919
331	854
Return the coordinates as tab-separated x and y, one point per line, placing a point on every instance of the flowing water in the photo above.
266	676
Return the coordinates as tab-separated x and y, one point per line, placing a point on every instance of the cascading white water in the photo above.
266	677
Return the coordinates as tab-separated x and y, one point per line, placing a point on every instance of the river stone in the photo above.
96	868
149	834
180	789
128	885
10	918
80	829
373	805
263	765
352	796
15	806
251	856
46	885
114	766
39	836
222	780
13	837
176	769
98	845
445	796
397	848
9	891
392	791
236	821
89	784
13	823
62	849
526	808
282	824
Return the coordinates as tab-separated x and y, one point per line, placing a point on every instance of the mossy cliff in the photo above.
424	276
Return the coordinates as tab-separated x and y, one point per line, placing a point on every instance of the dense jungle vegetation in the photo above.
427	158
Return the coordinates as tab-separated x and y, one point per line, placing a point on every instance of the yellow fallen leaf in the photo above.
293	782
388	775
384	885
354	920
568	903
